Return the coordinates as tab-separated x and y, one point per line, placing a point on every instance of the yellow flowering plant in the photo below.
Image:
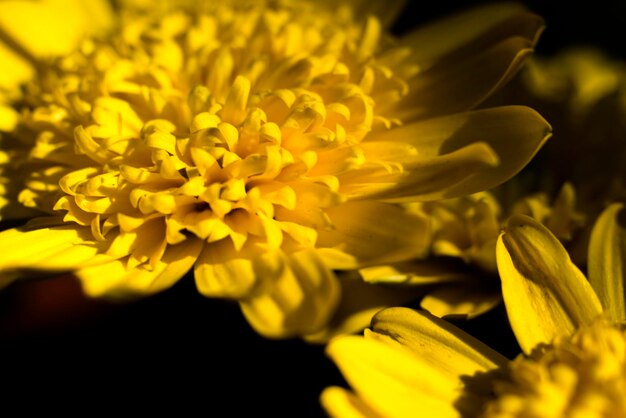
266	146
570	330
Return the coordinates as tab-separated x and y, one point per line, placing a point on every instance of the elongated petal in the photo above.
393	382
115	279
62	248
513	133
435	341
545	294
471	30
15	70
298	294
358	304
375	232
607	255
341	403
418	272
32	28
466	300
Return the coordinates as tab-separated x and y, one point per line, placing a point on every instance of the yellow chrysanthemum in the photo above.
265	145
574	363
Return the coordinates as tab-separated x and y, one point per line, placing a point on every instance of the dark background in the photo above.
179	350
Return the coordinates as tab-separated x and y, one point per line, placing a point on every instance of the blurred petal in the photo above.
418	272
15	70
545	294
461	300
435	341
513	133
115	279
393	382
375	232
358	304
298	294
472	30
33	29
341	403
607	252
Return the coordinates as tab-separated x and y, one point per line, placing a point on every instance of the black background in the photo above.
179	350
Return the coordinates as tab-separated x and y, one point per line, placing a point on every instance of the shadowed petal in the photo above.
607	252
545	294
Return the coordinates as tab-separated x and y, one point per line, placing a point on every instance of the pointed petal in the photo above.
435	341
298	295
513	133
115	280
393	382
341	403
375	232
607	255
462	300
545	294
419	272
359	302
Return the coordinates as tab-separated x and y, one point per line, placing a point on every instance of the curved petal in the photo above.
32	29
359	302
341	403
472	30
463	300
607	254
513	133
375	232
392	381
297	296
221	271
545	294
61	248
116	280
436	342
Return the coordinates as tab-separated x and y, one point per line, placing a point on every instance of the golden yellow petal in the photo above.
358	304
545	294
435	341
116	280
15	70
223	272
297	295
375	232
463	300
392	381
607	252
341	403
33	29
513	133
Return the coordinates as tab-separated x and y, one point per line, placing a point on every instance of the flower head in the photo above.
263	145
572	337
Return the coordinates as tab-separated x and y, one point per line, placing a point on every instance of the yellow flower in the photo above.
265	145
574	343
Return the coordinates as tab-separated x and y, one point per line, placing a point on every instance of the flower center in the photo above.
233	126
584	375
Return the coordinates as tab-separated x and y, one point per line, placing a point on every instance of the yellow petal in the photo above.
223	272
417	272
60	248
15	70
467	300
393	382
607	252
359	302
40	29
471	30
298	295
437	342
545	294
375	232
115	279
340	403
514	133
